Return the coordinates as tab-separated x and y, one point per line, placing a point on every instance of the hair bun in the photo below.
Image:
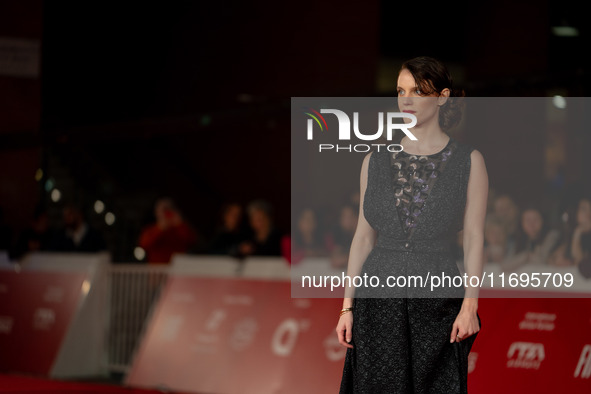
450	113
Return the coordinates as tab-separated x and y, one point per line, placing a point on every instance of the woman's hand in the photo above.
465	325
344	329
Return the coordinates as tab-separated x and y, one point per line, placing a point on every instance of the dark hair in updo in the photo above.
432	76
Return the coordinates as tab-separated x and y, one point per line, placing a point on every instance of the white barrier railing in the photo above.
133	291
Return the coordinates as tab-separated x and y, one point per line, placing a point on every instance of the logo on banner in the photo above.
345	127
54	294
538	321
525	355
583	369
243	334
171	327
43	318
208	339
286	335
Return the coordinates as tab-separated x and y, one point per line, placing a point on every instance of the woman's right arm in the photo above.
362	244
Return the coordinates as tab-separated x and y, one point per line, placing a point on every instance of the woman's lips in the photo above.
408	111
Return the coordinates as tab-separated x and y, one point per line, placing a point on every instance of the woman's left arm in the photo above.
466	323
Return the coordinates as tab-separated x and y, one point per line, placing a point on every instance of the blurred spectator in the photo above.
534	241
77	235
581	239
170	233
495	239
5	233
576	243
505	209
37	237
230	232
266	238
307	240
561	256
339	242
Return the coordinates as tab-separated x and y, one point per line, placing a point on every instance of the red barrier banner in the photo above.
239	336
532	345
248	336
36	309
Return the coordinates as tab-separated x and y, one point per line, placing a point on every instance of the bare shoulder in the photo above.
478	173
476	159
476	154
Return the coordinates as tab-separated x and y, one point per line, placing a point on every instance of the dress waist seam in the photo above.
414	245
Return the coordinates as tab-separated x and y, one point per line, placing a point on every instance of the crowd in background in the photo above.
241	232
514	237
74	235
517	237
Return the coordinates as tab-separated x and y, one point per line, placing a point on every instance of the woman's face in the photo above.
307	222
531	222
412	100
259	220
232	216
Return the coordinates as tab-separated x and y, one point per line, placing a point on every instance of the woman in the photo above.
534	241
412	205
307	240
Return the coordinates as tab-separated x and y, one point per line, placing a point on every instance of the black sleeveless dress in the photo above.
401	334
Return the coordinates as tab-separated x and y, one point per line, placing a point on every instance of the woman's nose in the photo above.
406	99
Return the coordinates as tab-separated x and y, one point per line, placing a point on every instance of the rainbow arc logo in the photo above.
315	115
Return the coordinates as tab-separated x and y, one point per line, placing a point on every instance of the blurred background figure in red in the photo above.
170	233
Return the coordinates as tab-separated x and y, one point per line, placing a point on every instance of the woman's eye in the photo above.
400	92
418	91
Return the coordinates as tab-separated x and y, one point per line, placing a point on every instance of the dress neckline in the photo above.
432	154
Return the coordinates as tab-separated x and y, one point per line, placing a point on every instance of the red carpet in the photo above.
25	384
